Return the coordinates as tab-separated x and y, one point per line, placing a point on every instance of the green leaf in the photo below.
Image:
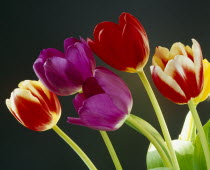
184	151
153	158
188	132
199	158
154	137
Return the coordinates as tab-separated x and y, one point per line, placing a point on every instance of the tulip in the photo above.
34	106
105	103
206	84
64	73
123	46
178	73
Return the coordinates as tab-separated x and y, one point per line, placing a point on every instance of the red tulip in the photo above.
34	106
178	73
123	46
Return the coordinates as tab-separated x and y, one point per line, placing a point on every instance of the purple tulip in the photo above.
64	73
105	103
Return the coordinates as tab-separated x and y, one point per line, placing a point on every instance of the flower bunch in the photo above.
104	102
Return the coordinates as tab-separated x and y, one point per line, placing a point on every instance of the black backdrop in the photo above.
29	26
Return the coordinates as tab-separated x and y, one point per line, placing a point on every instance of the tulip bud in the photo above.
64	73
123	46
34	106
105	103
178	73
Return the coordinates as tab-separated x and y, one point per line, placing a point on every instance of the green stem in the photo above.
75	147
142	129
159	117
201	132
111	150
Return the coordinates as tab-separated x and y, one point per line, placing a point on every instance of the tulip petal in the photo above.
198	60
48	100
62	75
40	73
126	18
9	106
181	69
50	52
91	88
98	116
109	45
69	42
29	110
137	47
161	57
78	101
167	85
206	90
177	49
115	87
54	104
101	26
88	53
123	46
79	58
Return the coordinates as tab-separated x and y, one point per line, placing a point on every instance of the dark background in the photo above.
30	26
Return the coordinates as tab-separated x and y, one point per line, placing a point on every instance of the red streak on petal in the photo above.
32	114
167	90
49	102
187	82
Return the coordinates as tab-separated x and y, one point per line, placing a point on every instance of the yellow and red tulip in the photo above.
34	106
178	73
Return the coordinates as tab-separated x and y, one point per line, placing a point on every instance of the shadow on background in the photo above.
28	27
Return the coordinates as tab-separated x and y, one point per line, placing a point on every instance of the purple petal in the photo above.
68	42
78	101
115	87
99	112
89	53
91	87
38	67
63	76
77	55
50	52
76	121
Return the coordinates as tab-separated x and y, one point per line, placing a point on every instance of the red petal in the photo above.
124	47
167	86
48	100
137	47
30	111
126	18
181	69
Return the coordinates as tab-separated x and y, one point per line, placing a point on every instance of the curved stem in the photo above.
201	132
111	150
163	155
75	147
160	118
